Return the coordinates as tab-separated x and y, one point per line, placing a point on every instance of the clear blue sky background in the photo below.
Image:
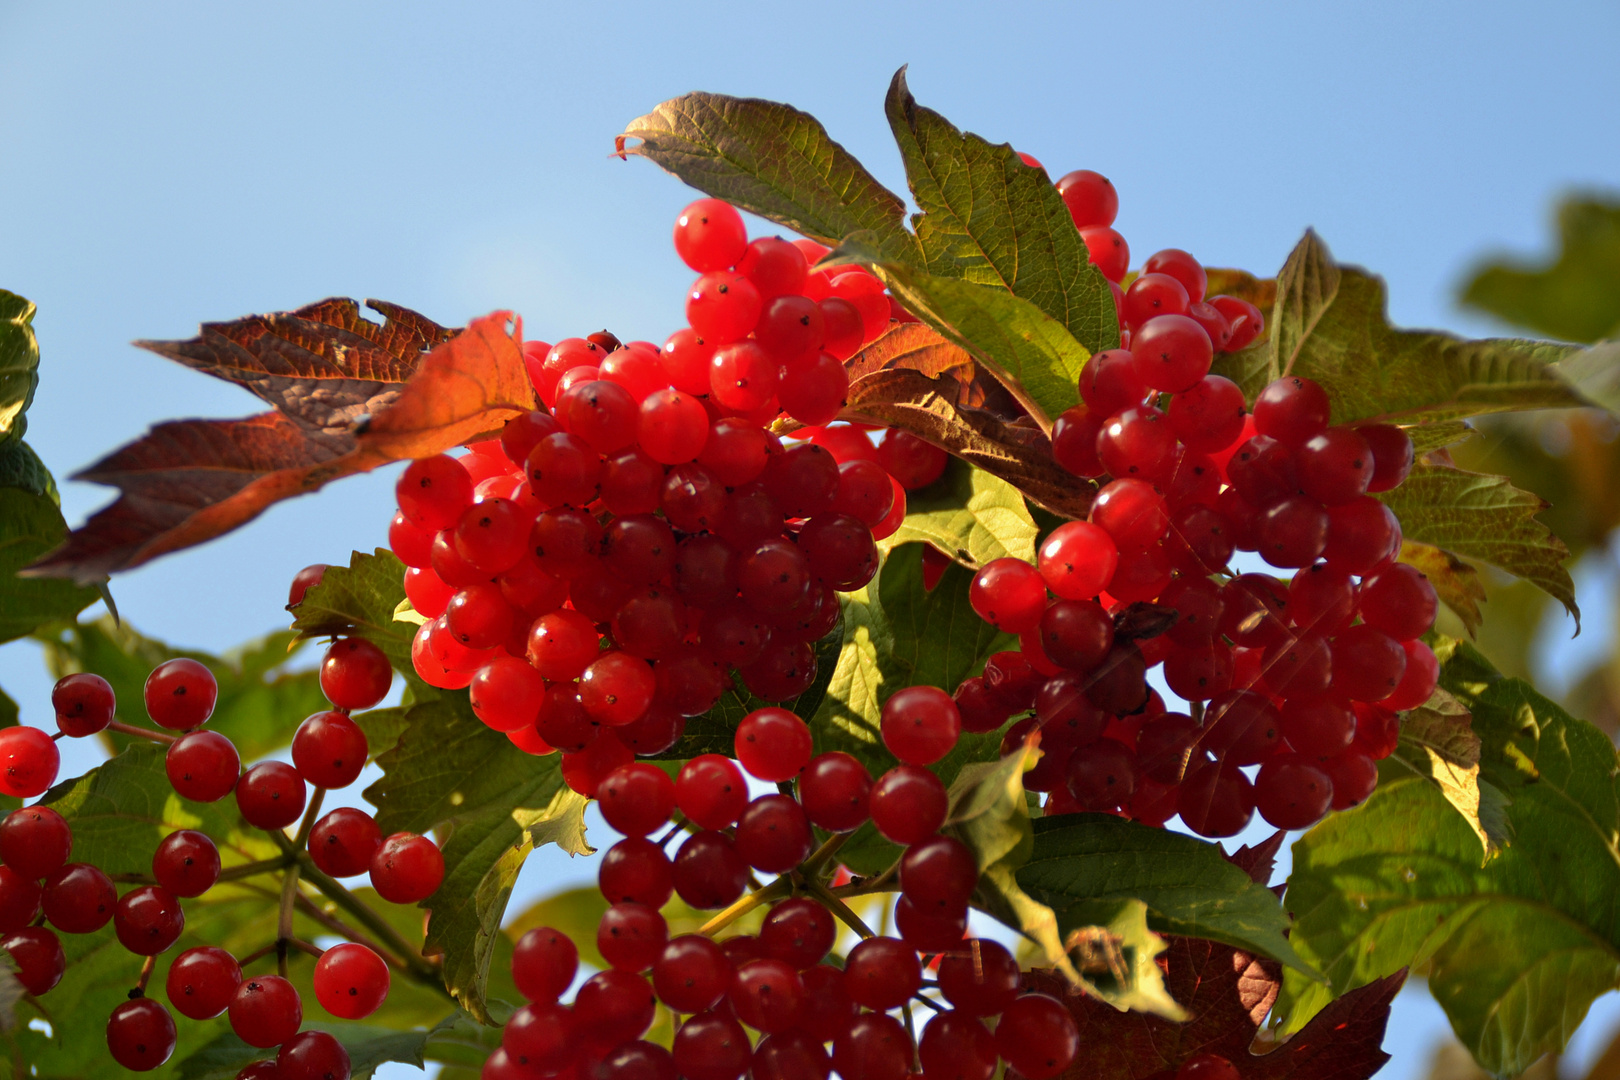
168	163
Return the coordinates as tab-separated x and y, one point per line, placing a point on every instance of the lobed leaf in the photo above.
970	515
360	599
19	365
1516	949
30	525
1575	296
772	160
992	220
1486	518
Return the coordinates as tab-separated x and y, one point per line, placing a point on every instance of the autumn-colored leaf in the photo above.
1226	994
1017	453
1455	580
1261	292
916	346
188	481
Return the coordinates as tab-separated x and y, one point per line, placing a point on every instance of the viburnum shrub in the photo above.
903	613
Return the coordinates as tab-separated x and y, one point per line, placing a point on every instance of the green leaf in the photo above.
369	1046
990	219
774	161
1595	373
1083	863
1330	324
449	770
9	713
715	731
261	702
1437	436
20	467
1486	518
19	365
361	599
1455	581
1438	743
1573	297
1516	949
970	515
31	525
1032	354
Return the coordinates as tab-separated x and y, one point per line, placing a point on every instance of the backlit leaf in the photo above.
970	515
1438	743
990	219
771	160
1455	582
31	525
20	467
1486	518
1575	296
19	365
360	599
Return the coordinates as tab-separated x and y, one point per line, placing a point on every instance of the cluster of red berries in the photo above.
780	982
42	892
596	574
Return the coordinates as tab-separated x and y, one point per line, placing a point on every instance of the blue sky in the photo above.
169	163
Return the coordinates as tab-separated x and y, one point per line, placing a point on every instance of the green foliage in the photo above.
361	599
1083	865
970	515
260	703
456	1040
1573	297
992	220
19	365
771	160
1486	518
1516	949
20	467
30	525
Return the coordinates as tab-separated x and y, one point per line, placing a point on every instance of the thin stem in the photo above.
428	978
936	1006
261	866
884	882
310	814
284	922
776	890
146	975
367	918
133	879
303	946
839	908
257	954
142	733
823	854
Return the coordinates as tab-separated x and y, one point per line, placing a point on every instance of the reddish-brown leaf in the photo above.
322	366
919	347
1227	995
1259	860
188	481
1017	452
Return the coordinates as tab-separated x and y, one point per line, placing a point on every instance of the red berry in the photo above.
432	492
1246	320
1074	441
773	834
329	750
711	791
1090	197
1368	664
873	1047
981	979
691	974
1077	560
355	674
306	579
908	804
186	863
38	956
350	981
312	1055
709	872
202	981
1037	1036
636	798
583	771
711	1046
955	1046
814	389
1153	294
1172	352
1292	793
710	235
79	899
266	1011
1110	382
939	874
203	766
1293	410
1209	414
799	932
835	789
84	704
882	973
1131	512
35	841
1182	267
140	1034
19	900
1108	251
1009	594
148	920
564	469
1418	682
544	963
773	744
1391	452
1137	442
1335	467
673	426
722	306
920	724
270	795
614	1006
911	460
1362	536
343	842
1208	1067
1400	601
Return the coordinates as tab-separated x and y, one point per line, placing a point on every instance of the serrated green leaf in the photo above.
772	160
1573	297
1486	518
1516	949
369	1046
1330	324
970	515
20	467
990	219
1437	436
31	525
714	732
19	365
1250	368
1081	861
360	599
261	702
1438	743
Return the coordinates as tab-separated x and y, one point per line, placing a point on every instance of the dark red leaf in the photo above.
1260	860
1227	995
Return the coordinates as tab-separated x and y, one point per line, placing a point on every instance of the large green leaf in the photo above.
1083	864
989	218
970	515
1516	949
31	525
449	770
1330	324
361	599
1573	297
774	161
19	365
261	702
1438	743
20	467
1484	517
456	1039
1032	354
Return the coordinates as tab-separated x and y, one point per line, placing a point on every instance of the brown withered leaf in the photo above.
1142	620
322	366
1016	452
1227	994
919	347
188	481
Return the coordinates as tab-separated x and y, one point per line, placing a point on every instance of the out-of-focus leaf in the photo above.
31	525
1082	864
260	703
1226	995
771	160
1486	518
20	467
1574	296
19	365
1437	436
970	515
1454	580
991	219
188	481
1517	949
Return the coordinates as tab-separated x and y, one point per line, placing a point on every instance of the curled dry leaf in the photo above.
350	395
